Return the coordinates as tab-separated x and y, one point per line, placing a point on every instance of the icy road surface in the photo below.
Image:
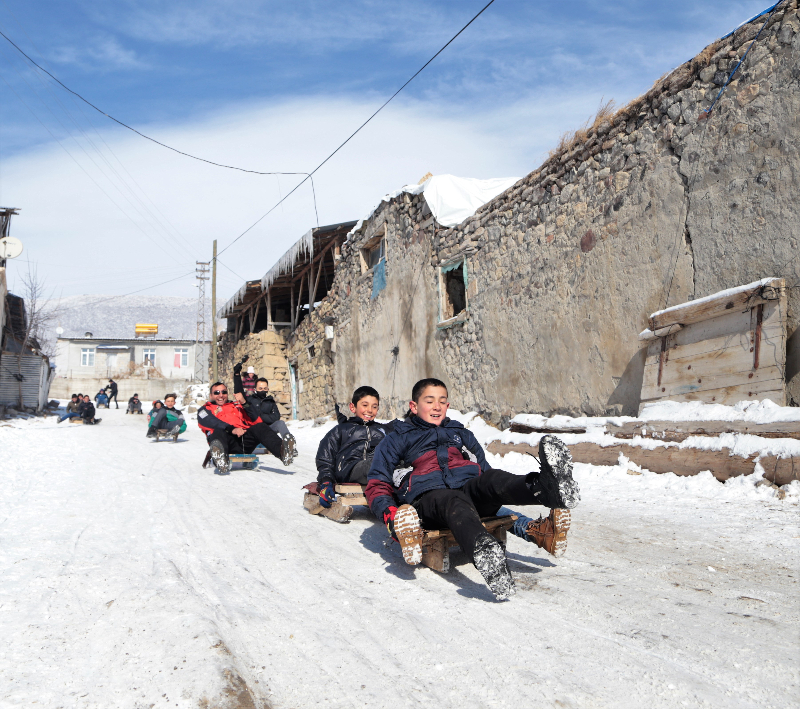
130	577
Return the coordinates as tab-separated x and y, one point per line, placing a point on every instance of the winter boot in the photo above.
219	457
408	530
175	430
151	432
490	559
207	459
290	448
554	479
548	533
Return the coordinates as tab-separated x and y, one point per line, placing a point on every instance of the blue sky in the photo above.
276	86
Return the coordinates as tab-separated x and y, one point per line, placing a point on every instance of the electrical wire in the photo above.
357	130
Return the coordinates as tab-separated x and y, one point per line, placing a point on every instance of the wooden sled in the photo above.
80	420
248	460
164	433
347	496
436	544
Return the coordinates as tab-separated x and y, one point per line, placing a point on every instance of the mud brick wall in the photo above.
645	209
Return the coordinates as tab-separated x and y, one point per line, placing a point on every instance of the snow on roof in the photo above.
451	199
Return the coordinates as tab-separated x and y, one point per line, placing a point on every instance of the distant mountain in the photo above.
113	316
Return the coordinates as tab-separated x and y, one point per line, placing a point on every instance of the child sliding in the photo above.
451	486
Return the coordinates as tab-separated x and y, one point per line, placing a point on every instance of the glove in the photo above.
388	520
237	368
245	358
327	494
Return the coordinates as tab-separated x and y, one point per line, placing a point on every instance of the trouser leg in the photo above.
280	428
453	510
230	443
495	488
359	472
159	420
263	434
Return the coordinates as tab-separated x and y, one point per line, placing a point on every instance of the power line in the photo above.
357	130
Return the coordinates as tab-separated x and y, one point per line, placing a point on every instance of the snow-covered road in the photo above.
131	577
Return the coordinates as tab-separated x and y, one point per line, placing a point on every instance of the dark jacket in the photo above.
266	409
134	403
87	411
440	457
345	445
226	417
113	386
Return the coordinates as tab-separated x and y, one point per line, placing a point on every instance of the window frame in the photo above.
443	269
88	354
375	242
184	353
146	361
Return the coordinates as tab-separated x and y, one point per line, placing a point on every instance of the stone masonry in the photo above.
650	206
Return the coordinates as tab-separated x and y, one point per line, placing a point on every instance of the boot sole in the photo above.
221	462
490	559
561	521
409	533
556	472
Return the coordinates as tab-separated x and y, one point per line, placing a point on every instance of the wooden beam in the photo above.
316	282
299	305
269	308
723	463
524	428
291	310
705	309
319	255
677	431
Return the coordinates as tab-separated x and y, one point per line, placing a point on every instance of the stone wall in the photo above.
647	208
267	351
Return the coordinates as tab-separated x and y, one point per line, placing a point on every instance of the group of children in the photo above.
80	406
429	472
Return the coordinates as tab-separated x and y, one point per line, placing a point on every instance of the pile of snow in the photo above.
758	412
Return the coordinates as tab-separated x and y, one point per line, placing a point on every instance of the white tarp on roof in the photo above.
451	199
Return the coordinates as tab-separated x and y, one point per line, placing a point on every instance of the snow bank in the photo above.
760	412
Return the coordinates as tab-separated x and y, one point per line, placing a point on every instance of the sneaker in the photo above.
61	420
548	533
174	431
219	457
151	432
408	530
555	475
490	559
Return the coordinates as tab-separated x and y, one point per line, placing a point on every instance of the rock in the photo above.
708	73
321	420
191	409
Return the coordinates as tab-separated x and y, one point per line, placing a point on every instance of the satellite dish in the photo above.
59	331
10	247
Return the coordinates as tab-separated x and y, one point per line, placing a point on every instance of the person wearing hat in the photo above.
134	405
249	382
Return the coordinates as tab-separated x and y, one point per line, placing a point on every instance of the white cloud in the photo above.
84	244
102	54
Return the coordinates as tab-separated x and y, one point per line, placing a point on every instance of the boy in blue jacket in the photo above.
345	453
450	485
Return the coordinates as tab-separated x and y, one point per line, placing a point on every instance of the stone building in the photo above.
534	303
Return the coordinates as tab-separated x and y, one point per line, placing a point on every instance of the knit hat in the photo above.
251	370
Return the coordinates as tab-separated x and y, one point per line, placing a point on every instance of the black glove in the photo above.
237	369
245	358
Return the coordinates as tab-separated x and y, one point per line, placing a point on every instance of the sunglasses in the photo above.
219	391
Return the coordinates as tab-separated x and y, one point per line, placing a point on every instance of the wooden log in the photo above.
670	459
436	554
677	431
705	309
731	395
351	493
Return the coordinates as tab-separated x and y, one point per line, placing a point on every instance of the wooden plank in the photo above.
436	555
677	431
524	428
773	390
698	311
680	461
767	379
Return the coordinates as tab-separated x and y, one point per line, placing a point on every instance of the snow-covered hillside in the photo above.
115	316
131	577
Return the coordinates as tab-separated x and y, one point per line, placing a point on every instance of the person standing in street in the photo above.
112	392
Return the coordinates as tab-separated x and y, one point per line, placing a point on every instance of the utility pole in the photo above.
214	371
201	362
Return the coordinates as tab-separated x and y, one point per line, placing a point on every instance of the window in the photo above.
87	356
374	251
181	357
150	358
453	292
312	352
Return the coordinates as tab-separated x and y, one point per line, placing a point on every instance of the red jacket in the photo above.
230	415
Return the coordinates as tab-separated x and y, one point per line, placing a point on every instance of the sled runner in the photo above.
164	433
79	420
436	544
347	496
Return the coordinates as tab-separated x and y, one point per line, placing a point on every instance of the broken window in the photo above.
374	251
311	352
453	290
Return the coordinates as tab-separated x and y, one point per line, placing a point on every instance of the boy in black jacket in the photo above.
260	405
345	454
451	485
